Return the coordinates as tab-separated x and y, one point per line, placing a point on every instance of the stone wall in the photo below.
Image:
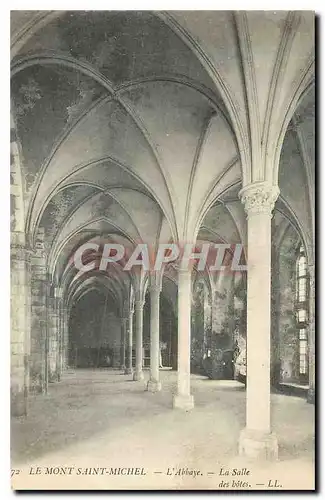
285	337
94	324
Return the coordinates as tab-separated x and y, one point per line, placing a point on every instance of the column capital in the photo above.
155	278
19	252
58	292
139	303
259	198
155	288
184	272
125	310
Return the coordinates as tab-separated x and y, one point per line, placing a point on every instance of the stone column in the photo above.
124	321
65	335
54	364
129	368
257	440
58	317
20	325
207	316
54	335
139	304
183	399
53	346
39	324
311	335
154	384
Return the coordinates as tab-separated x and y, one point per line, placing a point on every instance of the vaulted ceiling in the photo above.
143	126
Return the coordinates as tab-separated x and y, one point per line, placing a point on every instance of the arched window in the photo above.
302	313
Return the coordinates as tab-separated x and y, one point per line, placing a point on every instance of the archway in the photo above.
94	331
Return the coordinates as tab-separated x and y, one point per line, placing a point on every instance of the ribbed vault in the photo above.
143	127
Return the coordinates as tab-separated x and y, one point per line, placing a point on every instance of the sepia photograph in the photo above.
162	248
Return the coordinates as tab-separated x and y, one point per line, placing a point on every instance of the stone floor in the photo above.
102	419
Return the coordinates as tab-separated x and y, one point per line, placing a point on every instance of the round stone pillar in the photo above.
257	440
59	359
154	384
138	374
20	325
183	399
53	364
40	284
129	367
123	343
65	336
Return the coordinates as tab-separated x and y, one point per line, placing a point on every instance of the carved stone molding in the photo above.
126	310
259	198
139	304
18	250
17	239
187	271
58	292
155	282
155	288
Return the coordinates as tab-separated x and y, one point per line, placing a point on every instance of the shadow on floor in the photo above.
90	406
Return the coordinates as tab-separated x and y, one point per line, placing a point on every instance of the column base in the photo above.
258	445
123	368
183	402
138	375
128	371
311	396
153	386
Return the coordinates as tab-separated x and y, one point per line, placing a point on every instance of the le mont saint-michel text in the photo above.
129	471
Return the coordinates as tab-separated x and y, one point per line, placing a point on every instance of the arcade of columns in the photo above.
49	324
40	307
